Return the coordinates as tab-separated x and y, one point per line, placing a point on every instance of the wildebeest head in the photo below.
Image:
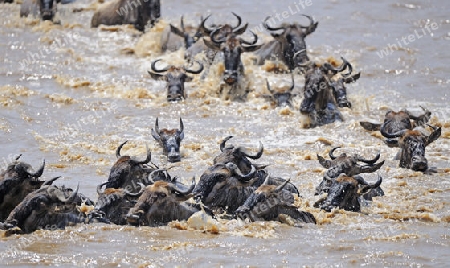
161	203
16	182
175	78
46	9
189	34
345	164
339	89
237	155
222	31
344	193
281	98
224	186
50	207
232	47
127	172
150	11
412	144
170	140
292	39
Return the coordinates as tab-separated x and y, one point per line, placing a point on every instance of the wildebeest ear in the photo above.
176	31
250	48
211	44
188	79
157	76
156	135
370	126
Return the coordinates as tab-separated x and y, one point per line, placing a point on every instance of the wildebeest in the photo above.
395	122
339	89
170	140
319	103
345	191
16	182
281	98
50	207
175	78
269	202
189	34
412	145
348	165
128	172
136	12
47	8
232	47
288	45
161	203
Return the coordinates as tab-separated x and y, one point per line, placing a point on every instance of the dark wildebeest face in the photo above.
344	193
223	186
161	203
348	165
292	39
148	11
127	172
50	207
16	182
281	98
175	78
268	202
237	155
232	47
170	140
46	9
412	144
190	34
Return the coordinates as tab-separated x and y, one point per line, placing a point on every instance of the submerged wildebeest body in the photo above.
47	8
16	182
395	122
128	172
270	202
50	207
169	140
319	99
344	193
288	45
279	97
161	203
348	165
136	12
175	78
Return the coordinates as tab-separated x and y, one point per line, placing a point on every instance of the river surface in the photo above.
70	95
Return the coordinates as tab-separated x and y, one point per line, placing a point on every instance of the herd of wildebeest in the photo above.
138	192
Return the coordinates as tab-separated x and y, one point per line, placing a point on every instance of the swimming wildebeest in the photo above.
395	122
170	140
128	172
345	191
16	182
50	207
338	87
47	8
161	203
348	165
270	202
189	34
281	98
288	45
175	78
136	12
319	102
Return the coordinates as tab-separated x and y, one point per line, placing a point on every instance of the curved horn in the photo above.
271	28
332	152
213	37
17	157
60	195
138	193
199	70
39	172
203	28
392	135
268	87
181	191
146	160
120	148
311	21
350	70
181	125
255	39
50	181
158	70
242	177
258	155
293	82
99	188
156	126
238	19
371	186
369	161
340	68
222	144
151	175
182	24
280	187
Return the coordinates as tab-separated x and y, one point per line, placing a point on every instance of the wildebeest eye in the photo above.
162	194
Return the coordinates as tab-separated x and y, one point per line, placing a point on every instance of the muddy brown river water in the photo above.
71	94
